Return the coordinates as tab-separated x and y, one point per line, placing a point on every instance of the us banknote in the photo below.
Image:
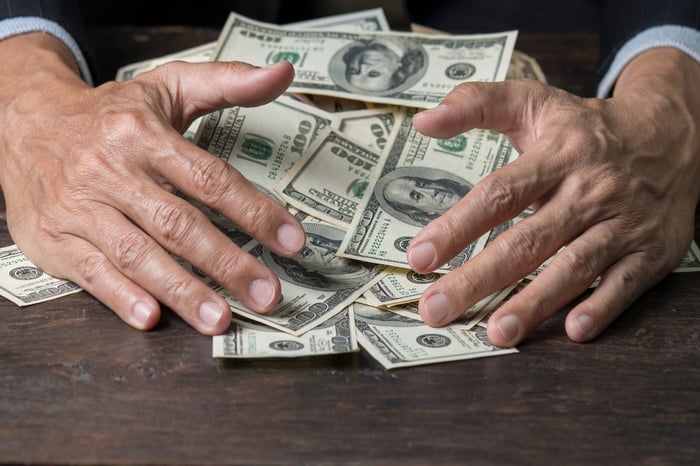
420	180
331	179
472	316
398	341
366	20
263	142
316	284
369	20
521	65
371	126
398	286
386	67
24	283
246	340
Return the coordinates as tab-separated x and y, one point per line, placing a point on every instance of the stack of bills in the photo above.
339	149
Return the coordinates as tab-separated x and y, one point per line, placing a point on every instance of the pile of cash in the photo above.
340	151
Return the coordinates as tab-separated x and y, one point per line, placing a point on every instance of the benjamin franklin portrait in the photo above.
418	195
378	65
317	266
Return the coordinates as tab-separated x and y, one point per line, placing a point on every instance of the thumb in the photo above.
196	89
508	107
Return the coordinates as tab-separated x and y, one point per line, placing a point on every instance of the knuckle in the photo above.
211	180
127	111
87	164
524	247
178	288
584	140
174	221
452	229
226	268
255	218
578	265
90	267
130	251
468	280
120	123
497	196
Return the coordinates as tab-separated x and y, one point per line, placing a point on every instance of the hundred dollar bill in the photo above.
521	65
330	181
366	20
23	283
371	126
396	341
420	180
398	286
385	67
263	142
245	339
316	284
369	20
471	316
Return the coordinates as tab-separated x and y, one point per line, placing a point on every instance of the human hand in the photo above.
616	181
89	177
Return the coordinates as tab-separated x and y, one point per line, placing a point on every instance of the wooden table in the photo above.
78	386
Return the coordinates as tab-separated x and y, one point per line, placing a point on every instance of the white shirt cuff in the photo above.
681	37
24	24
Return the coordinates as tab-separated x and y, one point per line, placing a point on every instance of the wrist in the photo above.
38	74
29	58
660	85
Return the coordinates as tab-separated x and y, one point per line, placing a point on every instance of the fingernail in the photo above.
290	237
509	326
585	324
421	256
210	313
262	292
142	312
436	309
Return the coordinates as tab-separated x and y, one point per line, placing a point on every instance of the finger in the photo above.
496	199
569	274
218	185
197	89
185	231
90	269
621	285
139	258
509	107
96	275
508	258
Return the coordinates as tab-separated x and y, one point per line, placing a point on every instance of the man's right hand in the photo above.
89	177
